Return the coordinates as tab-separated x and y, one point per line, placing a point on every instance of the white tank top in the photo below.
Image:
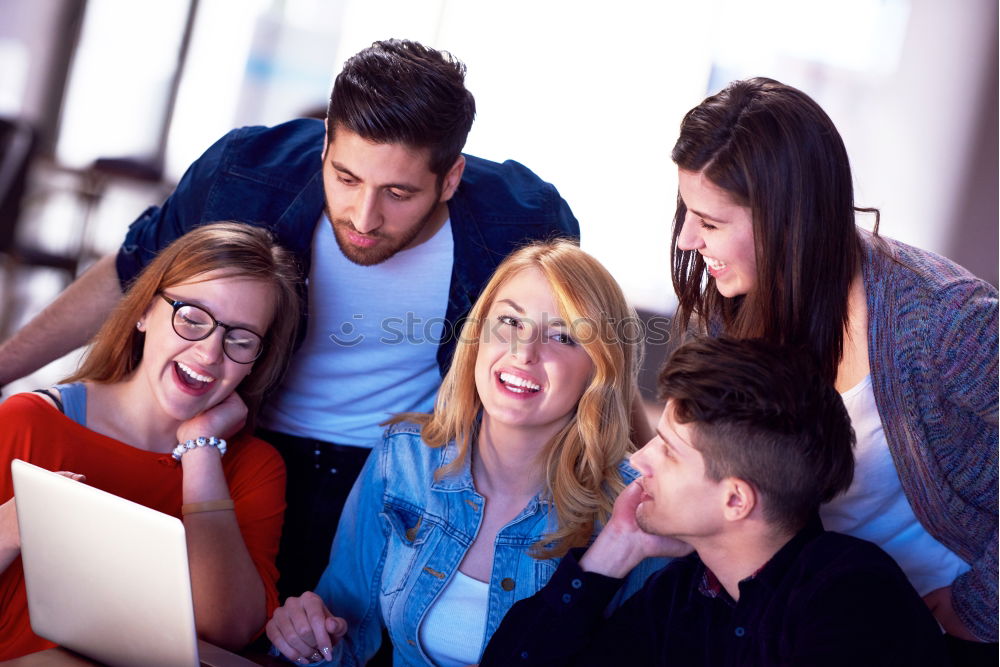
371	345
875	507
451	633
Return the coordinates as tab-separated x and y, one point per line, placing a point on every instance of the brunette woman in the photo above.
185	359
765	245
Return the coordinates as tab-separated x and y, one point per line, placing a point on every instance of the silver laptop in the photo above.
107	577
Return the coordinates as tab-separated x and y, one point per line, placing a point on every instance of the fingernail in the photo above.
326	652
302	661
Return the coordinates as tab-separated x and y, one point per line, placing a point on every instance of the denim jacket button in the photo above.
740	632
567	598
507	584
576	583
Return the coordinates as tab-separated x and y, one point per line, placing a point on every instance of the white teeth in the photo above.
196	376
518	384
713	263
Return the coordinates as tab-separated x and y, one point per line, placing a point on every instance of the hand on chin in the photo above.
221	420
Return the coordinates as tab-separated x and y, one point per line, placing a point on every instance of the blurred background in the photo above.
104	103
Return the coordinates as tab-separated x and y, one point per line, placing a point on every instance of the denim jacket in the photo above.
402	537
272	177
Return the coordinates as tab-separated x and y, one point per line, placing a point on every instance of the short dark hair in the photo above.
773	149
763	413
401	92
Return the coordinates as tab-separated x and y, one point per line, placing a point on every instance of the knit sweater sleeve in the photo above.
966	324
966	363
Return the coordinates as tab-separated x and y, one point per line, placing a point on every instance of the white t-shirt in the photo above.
371	346
875	507
451	633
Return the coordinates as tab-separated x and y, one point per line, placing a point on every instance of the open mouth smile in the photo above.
715	266
517	384
191	380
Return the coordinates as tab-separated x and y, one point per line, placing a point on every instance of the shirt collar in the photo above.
771	571
461	478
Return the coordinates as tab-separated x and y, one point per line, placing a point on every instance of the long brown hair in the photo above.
775	151
239	250
582	475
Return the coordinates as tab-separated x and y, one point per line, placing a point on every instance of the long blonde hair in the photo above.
582	476
240	250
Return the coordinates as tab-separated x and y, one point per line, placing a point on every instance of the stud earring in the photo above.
138	325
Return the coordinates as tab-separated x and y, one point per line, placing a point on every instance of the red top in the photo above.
33	430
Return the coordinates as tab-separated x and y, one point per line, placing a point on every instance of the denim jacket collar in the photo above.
462	480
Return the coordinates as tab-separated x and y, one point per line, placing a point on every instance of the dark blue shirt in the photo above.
823	599
272	177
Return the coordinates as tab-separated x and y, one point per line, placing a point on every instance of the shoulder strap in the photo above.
74	398
54	396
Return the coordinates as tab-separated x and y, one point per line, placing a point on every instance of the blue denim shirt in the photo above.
272	177
402	537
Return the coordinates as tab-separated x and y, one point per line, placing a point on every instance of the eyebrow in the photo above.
405	187
235	325
556	322
707	217
669	445
520	311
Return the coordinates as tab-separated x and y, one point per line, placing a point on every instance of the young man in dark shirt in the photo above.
751	441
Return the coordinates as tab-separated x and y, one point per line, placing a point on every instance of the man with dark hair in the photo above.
751	441
396	232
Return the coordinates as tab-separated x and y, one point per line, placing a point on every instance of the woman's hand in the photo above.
220	420
939	602
10	534
622	544
304	630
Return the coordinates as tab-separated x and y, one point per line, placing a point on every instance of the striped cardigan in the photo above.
932	346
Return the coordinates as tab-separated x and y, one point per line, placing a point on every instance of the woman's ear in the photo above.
147	313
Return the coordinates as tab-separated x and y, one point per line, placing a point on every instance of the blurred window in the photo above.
120	80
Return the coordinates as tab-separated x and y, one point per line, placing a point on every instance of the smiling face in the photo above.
530	373
187	377
382	198
678	499
721	231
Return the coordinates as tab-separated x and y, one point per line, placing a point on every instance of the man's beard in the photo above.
381	251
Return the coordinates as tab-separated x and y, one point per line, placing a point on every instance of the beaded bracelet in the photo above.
212	441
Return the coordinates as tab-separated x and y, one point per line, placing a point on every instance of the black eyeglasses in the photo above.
192	322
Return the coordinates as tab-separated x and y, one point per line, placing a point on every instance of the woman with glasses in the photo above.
460	513
179	367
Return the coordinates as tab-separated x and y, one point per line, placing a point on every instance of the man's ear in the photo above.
740	498
452	178
326	138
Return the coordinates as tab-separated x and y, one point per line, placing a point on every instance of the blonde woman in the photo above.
462	512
